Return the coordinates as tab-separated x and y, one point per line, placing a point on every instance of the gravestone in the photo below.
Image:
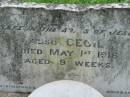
40	43
65	88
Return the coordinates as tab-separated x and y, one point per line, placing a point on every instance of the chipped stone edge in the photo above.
67	7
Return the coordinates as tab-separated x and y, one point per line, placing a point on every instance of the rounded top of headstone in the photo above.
65	88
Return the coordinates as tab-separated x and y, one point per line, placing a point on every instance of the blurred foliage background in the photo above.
80	1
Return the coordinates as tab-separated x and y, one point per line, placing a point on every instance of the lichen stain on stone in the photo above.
14	42
57	18
4	94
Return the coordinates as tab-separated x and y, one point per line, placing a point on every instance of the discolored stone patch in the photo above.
2	94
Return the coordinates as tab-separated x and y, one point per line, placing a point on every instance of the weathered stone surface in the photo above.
65	88
13	94
44	43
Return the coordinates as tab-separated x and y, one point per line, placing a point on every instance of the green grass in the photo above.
80	1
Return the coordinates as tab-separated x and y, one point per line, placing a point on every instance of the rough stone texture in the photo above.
65	88
2	94
42	43
11	1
